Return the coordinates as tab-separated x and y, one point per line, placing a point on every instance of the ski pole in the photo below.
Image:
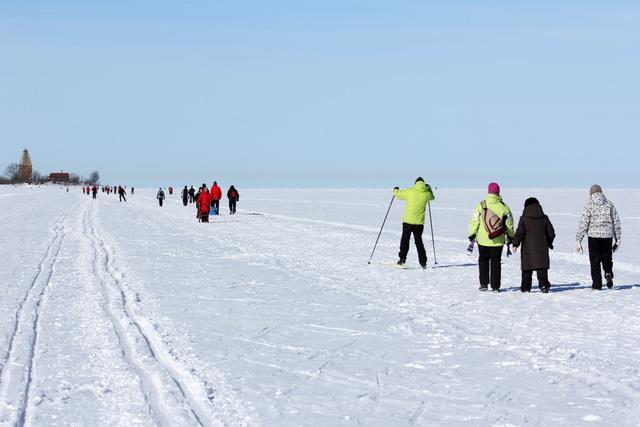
385	220
435	260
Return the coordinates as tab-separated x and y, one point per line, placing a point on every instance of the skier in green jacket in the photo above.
492	227
416	198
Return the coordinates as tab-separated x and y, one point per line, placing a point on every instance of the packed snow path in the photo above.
131	314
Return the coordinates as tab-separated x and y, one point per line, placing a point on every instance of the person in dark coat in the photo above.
233	197
192	195
160	196
185	195
536	234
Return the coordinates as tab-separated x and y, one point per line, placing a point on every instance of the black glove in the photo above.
550	246
396	188
472	237
614	247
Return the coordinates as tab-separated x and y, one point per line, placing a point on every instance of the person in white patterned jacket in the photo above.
600	222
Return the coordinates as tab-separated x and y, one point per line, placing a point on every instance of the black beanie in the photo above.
419	179
531	201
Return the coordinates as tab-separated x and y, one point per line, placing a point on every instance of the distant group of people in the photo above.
90	191
208	201
492	227
119	190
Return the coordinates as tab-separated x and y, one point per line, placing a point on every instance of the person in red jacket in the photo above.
216	195
203	203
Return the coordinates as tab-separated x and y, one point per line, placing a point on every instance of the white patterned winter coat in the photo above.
599	219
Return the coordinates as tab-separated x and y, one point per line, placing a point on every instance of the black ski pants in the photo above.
232	206
407	231
160	200
192	198
600	256
122	197
185	200
490	265
216	204
527	279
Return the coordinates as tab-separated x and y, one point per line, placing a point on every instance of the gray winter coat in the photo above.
599	219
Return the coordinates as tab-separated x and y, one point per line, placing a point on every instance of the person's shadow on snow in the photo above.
568	287
578	286
572	287
624	287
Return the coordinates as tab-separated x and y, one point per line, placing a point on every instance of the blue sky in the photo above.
325	93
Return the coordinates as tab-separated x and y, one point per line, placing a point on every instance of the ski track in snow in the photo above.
18	360
174	397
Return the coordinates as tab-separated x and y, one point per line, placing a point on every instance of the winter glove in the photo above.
472	237
579	248
396	188
551	247
616	245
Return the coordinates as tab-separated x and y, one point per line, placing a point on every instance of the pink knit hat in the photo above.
494	188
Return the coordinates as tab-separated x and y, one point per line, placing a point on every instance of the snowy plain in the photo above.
131	314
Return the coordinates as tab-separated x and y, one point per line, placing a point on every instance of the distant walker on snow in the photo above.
160	196
234	197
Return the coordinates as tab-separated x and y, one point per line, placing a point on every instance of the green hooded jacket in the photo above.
417	198
495	204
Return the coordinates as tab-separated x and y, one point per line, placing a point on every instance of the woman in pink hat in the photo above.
491	227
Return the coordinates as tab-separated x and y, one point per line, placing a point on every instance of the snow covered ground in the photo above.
131	314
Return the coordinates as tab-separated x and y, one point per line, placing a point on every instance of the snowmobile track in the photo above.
18	361
173	396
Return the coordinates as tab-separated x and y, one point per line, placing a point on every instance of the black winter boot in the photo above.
609	279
